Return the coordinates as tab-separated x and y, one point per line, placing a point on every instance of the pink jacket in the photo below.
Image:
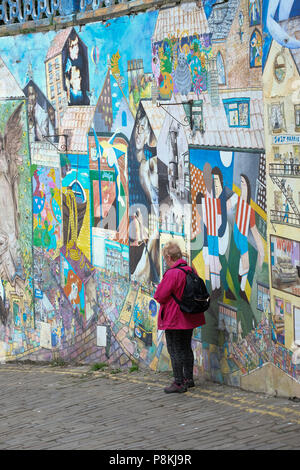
170	316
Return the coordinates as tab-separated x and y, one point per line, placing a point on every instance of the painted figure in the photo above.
214	206
41	122
144	257
254	12
4	308
245	220
76	73
10	159
72	288
146	155
256	49
211	217
286	212
182	75
223	194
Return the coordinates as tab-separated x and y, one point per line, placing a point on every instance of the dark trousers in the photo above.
180	350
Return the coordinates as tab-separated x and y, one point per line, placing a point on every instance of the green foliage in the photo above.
58	362
98	366
134	367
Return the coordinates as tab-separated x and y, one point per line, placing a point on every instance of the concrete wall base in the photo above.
271	380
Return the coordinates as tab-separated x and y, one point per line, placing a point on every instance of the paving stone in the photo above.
70	408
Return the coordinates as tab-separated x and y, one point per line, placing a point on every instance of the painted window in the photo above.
221	69
276	117
279	68
197	114
227	318
194	114
263	293
254	12
276	153
78	191
256	49
124	119
238	112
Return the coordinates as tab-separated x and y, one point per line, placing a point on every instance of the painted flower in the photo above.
198	85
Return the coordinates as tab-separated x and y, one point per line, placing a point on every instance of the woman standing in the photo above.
178	325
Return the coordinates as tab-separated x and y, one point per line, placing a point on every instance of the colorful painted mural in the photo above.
281	95
116	138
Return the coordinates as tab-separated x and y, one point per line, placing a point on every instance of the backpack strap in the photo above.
185	272
179	267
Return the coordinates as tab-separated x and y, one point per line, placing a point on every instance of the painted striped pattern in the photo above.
242	217
210	213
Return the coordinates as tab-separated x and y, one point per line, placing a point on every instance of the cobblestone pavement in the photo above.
44	407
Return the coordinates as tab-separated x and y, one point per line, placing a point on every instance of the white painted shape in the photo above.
101	335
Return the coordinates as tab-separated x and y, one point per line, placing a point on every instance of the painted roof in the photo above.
9	87
220	28
155	115
217	131
76	122
58	43
186	17
42	95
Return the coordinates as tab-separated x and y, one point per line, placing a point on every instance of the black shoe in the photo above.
189	383
175	388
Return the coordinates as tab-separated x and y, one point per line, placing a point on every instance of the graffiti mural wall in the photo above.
16	274
111	148
281	82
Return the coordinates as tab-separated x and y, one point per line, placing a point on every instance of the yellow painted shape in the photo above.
83	241
199	265
153	364
288	329
105	144
248	289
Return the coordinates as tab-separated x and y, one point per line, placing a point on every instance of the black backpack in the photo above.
195	298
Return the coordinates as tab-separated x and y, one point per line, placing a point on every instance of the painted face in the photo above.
75	80
244	188
142	132
74	49
153	176
31	98
149	180
51	115
217	185
181	60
